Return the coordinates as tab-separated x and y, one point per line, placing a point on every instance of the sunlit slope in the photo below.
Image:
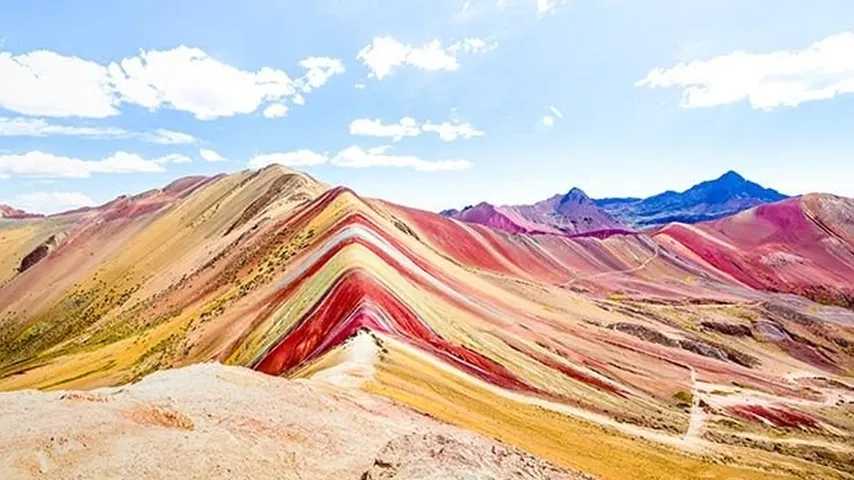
537	340
136	270
802	245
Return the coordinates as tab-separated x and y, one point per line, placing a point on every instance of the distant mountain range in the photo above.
571	213
574	213
728	194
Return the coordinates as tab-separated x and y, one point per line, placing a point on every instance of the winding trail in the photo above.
633	269
698	415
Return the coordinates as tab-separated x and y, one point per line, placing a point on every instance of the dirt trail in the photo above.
694	433
633	269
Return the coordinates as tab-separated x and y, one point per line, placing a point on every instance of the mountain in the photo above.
717	350
9	212
724	196
573	213
799	245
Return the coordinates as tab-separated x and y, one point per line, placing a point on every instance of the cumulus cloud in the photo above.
784	78
297	158
124	162
189	80
275	110
37	164
357	157
318	71
38	127
51	202
183	78
37	83
386	53
451	131
406	127
409	127
473	45
209	155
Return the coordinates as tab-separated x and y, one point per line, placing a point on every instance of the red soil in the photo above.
778	416
357	301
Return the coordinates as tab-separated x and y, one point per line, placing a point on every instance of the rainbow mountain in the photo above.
722	349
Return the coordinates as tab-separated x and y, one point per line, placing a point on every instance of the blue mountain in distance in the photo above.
724	196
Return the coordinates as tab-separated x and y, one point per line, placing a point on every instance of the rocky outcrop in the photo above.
39	253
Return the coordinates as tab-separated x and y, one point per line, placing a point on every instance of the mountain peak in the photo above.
731	176
728	194
575	195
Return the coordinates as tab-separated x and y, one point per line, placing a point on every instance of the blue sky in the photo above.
506	101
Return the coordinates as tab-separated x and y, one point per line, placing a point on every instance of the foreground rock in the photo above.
213	421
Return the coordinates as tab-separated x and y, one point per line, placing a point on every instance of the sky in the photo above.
432	104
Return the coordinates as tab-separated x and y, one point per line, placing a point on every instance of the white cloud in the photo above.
51	202
473	45
169	137
549	121
385	54
409	127
406	127
356	157
183	78
298	158
124	162
189	80
359	86
39	164
557	113
172	158
39	82
548	6
767	80
211	155
38	127
543	7
275	110
449	131
318	71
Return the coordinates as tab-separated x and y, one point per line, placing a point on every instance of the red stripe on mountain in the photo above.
348	307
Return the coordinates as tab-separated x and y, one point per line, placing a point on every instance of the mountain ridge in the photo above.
274	271
576	213
726	195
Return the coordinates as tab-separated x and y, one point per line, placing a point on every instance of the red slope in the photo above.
783	246
357	302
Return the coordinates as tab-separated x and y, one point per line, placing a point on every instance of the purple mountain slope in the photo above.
574	213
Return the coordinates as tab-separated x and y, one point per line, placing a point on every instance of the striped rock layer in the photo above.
716	350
